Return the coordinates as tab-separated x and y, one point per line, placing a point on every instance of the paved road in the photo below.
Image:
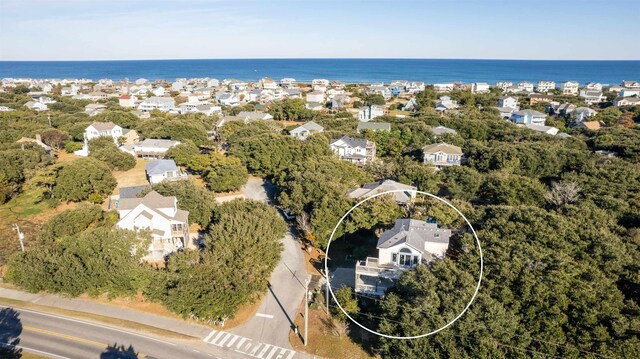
278	309
62	337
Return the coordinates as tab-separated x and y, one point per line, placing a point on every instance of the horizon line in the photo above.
324	58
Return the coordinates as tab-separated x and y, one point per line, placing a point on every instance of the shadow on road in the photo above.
10	330
116	351
291	325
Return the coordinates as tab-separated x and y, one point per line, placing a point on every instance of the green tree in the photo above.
78	179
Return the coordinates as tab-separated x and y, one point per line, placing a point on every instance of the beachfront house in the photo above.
408	244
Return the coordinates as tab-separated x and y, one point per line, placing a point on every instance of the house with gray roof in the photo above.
303	131
441	130
151	148
403	193
160	170
373	126
528	117
160	217
355	150
409	243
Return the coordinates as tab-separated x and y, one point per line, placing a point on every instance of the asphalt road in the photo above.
62	337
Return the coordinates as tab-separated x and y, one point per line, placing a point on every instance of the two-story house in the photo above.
356	150
368	113
442	155
528	117
168	225
409	243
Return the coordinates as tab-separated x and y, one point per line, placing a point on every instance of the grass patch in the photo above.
323	338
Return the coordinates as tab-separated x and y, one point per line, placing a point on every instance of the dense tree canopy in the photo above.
103	149
242	246
81	178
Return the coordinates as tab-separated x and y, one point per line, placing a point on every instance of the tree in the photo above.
183	153
54	138
347	301
198	201
242	247
98	260
103	149
78	179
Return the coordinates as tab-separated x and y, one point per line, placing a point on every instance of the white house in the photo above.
168	225
103	129
128	101
446	103
546	86
479	87
315	96
525	86
368	113
581	114
228	99
409	243
448	87
164	104
635	92
570	88
303	131
626	101
442	130
407	194
151	148
504	85
528	117
355	150
442	155
160	170
508	101
37	106
592	96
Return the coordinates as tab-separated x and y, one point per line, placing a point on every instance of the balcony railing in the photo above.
372	267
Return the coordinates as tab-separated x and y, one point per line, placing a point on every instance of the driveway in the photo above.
285	291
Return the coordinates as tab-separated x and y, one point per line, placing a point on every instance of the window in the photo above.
176	227
394	257
436	235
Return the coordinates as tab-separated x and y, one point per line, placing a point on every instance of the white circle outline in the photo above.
326	266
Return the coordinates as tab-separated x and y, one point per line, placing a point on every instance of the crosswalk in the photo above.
247	346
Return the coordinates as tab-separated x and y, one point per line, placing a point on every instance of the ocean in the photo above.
346	70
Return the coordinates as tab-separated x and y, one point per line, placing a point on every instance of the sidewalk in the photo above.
112	311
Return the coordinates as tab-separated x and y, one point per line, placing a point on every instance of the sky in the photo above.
213	29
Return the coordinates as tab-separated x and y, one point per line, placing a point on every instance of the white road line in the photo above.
273	351
36	351
91	324
264	315
291	353
230	342
239	345
197	351
264	350
220	343
213	340
209	336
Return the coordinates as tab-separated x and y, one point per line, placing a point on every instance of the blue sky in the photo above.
170	29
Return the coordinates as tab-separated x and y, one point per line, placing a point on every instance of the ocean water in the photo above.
347	70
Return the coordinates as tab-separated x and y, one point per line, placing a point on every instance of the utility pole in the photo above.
306	311
49	118
326	294
20	236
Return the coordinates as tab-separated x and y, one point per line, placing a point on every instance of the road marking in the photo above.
34	350
65	336
247	346
264	315
91	324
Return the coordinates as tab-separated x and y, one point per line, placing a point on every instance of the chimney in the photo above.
38	137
